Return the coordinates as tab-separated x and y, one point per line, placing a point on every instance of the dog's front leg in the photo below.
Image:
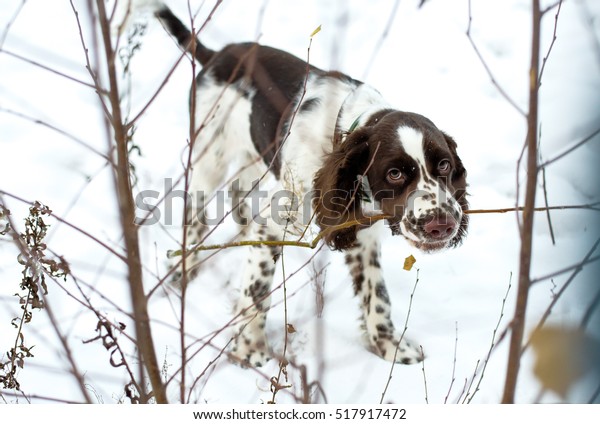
369	286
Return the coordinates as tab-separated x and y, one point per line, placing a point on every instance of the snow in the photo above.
424	64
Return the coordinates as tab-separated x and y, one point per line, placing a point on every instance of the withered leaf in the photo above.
409	262
563	355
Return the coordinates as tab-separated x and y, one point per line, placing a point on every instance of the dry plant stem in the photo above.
187	177
587	316
453	364
311	245
57	130
127	216
63	340
545	59
572	148
10	22
282	361
367	221
74	370
487	68
518	322
550	227
592	206
38	397
382	38
577	267
492	346
557	296
590	22
96	51
47	68
235	320
172	70
424	375
387	384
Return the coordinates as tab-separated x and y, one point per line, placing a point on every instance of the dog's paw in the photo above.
250	353
398	349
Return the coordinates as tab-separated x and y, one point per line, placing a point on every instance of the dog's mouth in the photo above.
430	233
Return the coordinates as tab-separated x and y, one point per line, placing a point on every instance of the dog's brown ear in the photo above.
459	187
459	170
339	191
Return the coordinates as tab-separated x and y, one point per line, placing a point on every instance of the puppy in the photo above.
343	156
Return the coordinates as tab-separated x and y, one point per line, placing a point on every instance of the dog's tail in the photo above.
186	39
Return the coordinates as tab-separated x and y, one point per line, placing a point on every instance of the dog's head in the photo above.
398	165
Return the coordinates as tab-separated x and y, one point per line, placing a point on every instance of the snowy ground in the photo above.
424	64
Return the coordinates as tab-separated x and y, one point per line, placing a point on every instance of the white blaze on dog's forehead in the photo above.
412	142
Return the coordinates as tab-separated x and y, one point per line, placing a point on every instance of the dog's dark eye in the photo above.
395	176
444	167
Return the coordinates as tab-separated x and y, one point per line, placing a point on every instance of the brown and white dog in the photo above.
325	137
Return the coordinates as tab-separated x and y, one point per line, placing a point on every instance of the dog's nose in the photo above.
440	227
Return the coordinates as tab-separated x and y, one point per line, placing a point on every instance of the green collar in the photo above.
354	124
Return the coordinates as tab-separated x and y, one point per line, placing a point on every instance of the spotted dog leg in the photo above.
250	345
196	229
363	261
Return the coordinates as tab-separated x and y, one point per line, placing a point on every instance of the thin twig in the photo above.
387	384
493	344
283	362
184	230
488	70
382	38
453	364
545	190
577	269
10	23
68	352
590	22
57	130
363	221
424	376
145	341
93	73
526	231
592	206
572	148
590	311
545	59
49	69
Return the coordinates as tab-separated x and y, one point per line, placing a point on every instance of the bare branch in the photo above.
488	70
11	22
57	130
383	37
577	269
453	364
49	69
311	245
518	322
387	384
590	311
424	376
545	59
572	148
127	214
545	189
492	345
591	206
577	266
